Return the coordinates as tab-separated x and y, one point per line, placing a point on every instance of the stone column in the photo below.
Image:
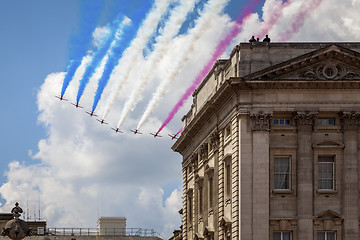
350	122
261	196
305	169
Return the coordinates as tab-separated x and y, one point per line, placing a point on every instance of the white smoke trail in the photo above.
133	53
212	9
177	17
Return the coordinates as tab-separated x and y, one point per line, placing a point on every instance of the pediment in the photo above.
333	63
329	214
329	144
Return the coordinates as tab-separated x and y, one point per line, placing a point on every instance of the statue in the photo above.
16	228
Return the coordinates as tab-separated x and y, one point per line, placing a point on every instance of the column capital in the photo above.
261	121
215	140
350	119
305	120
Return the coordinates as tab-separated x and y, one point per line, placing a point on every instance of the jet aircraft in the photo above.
91	113
77	105
174	136
135	131
156	134
102	121
61	98
117	130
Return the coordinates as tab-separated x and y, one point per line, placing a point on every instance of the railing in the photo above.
102	232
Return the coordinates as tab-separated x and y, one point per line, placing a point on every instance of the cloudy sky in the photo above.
59	160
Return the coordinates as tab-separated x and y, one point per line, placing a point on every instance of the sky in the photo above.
59	160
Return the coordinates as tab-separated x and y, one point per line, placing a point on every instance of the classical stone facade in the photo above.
270	145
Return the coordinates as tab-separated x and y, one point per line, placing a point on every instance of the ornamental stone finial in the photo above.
16	228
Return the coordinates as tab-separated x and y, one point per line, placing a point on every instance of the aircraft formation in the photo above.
117	130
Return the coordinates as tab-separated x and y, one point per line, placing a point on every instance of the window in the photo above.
281	122
200	199
189	210
227	132
282	236
326	172
326	236
326	121
281	172
227	179
210	192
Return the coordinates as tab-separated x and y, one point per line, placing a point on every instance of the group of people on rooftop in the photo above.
266	39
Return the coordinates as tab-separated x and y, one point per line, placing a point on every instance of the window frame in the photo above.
276	173
290	151
285	122
333	178
326	234
282	235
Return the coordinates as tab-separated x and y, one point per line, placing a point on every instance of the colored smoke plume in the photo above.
211	9
299	19
116	29
133	53
161	47
80	43
220	49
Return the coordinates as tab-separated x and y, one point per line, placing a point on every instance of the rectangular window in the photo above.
326	121
281	122
210	192
228	179
281	172
227	132
326	236
200	199
282	236
326	172
190	208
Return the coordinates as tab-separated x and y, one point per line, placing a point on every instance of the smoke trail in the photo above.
79	45
220	49
171	29
133	53
116	52
299	19
211	9
274	15
179	132
116	29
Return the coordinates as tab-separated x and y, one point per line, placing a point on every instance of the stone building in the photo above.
270	145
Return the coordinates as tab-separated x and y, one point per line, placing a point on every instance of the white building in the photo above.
270	145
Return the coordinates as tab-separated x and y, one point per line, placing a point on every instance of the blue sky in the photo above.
35	42
34	53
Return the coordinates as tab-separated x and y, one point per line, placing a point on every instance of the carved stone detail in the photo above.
349	119
204	151
215	140
330	72
261	121
305	120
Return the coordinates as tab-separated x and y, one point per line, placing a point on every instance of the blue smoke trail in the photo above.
117	50
115	27
90	12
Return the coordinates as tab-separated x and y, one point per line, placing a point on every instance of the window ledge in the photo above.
283	191
326	191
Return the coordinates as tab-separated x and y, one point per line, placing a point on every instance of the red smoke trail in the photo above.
275	15
220	49
299	19
179	132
